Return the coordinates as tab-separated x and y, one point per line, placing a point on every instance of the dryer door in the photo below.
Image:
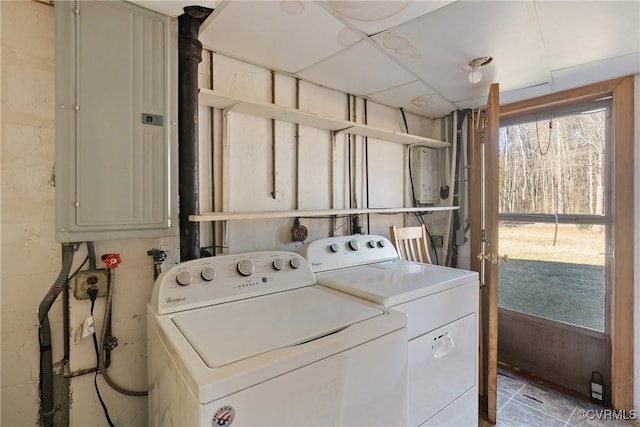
442	367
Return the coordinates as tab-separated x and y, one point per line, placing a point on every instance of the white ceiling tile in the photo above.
538	46
415	98
509	97
578	33
360	70
373	16
281	35
581	75
439	46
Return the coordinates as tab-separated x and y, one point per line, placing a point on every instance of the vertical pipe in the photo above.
297	159
366	166
189	56
214	225
274	170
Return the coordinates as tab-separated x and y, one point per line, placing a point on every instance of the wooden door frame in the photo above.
622	214
484	239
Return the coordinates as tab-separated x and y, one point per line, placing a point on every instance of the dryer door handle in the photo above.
443	345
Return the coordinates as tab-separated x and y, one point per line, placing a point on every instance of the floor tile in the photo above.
549	402
508	386
515	414
522	403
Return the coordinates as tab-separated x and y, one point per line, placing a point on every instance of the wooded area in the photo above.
554	165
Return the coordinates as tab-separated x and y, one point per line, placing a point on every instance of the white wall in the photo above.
315	176
30	256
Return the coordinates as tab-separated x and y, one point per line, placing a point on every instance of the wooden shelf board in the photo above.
224	216
278	112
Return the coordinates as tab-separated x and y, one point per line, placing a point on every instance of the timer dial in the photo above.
184	278
278	264
295	263
208	274
246	267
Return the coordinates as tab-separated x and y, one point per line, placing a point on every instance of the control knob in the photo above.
245	267
184	278
208	274
354	245
371	244
295	263
278	264
334	247
381	243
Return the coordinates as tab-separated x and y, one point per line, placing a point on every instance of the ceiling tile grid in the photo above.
360	69
416	54
286	35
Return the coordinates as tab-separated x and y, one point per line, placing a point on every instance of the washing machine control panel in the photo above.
347	251
215	280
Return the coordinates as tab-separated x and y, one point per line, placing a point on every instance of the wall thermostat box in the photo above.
116	121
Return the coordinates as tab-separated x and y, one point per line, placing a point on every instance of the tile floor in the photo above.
525	404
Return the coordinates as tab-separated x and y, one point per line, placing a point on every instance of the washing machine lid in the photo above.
394	282
231	332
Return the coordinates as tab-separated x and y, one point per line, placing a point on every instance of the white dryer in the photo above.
442	306
249	340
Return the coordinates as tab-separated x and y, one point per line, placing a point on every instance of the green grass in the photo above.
564	282
572	293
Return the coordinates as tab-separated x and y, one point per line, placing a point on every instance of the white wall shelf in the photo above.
224	216
211	98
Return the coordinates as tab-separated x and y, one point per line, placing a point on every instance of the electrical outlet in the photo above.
88	278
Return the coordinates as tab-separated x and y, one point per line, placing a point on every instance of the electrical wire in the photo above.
93	294
548	141
433	243
65	313
75	273
103	335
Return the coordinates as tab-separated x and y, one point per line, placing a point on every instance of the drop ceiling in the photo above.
415	54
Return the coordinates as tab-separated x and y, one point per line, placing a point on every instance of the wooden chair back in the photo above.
411	243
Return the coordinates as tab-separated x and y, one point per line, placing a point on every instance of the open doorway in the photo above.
555	213
566	292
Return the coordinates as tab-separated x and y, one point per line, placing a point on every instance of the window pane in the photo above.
564	281
554	164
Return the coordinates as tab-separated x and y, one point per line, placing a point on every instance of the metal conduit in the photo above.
47	407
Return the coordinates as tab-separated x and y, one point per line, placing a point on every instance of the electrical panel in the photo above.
116	121
425	170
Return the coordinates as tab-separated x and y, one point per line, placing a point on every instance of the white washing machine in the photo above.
442	306
249	340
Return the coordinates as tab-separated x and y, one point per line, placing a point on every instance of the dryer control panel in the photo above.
348	251
215	280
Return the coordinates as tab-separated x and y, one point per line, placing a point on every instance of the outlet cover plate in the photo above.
87	278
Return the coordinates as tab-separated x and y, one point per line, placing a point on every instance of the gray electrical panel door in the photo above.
116	122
